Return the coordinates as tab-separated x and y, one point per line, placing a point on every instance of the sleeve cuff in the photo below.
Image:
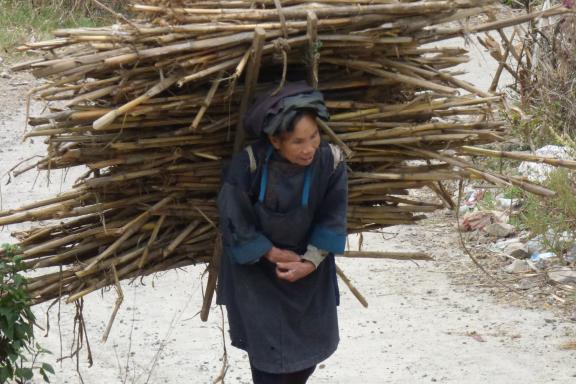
314	255
251	251
328	240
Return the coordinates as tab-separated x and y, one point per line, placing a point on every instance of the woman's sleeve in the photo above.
237	217
329	229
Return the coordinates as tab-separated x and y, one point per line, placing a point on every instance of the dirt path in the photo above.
420	326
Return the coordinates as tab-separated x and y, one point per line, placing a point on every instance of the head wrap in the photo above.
273	114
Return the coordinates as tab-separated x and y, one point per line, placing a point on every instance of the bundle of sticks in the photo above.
153	107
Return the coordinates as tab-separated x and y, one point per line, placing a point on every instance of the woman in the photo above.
283	218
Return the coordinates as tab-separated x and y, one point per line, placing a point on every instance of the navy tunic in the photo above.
284	327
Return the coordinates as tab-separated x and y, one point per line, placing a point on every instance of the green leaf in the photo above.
9	331
44	376
48	368
24	373
5	311
5	374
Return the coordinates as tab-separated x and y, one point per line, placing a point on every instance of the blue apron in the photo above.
284	327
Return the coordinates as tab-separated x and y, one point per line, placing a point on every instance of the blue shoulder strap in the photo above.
307	184
264	179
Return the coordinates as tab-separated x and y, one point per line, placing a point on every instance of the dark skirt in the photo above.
284	327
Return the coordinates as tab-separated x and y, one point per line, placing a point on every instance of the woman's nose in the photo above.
310	149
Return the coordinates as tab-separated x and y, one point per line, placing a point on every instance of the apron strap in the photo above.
264	180
307	184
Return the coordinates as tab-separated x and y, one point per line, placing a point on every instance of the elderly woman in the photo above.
283	218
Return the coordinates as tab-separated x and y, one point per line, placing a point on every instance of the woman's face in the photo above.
300	145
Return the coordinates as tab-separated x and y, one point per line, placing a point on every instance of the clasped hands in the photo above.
289	266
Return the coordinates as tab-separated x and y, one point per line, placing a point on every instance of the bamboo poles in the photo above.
152	108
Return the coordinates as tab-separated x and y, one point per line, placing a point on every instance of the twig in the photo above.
225	366
117	15
213	269
351	287
252	75
117	305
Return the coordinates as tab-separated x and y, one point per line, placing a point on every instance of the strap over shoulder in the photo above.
337	154
253	163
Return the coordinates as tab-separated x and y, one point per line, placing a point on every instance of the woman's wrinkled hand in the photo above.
277	255
294	270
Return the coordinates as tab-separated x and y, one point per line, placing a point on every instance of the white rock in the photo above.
499	229
539	171
562	275
517	250
518	266
527	283
571	255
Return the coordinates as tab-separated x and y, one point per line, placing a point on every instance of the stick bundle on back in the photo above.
153	108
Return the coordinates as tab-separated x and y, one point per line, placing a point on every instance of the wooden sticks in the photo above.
154	106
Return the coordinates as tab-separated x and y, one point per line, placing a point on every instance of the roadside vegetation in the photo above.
20	355
549	108
544	116
525	4
34	20
21	21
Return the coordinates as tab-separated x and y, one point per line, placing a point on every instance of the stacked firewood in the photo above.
153	107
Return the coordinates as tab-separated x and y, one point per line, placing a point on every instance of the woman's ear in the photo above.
275	141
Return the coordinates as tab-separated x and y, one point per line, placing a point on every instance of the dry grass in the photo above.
24	20
551	93
548	91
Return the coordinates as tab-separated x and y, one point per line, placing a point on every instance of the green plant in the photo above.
488	202
554	218
16	324
24	20
526	4
512	193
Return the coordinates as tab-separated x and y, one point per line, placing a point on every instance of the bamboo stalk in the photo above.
326	128
313	48
571	164
351	287
251	81
389	255
128	231
213	270
109	117
145	107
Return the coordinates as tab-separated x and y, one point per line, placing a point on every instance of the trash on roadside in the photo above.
508	203
478	220
542	256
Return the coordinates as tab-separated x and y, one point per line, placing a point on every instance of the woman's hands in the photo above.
277	255
289	266
294	270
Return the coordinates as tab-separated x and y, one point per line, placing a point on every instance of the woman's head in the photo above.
288	119
298	144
